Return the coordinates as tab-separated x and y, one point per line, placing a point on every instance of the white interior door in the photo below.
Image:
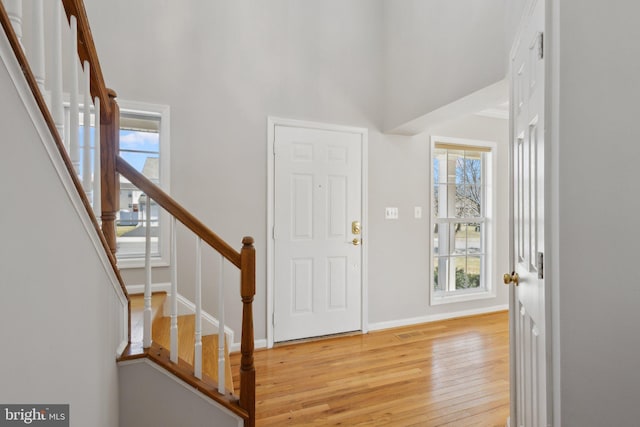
529	307
317	238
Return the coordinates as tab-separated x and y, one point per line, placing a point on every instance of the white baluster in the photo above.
97	203
74	125
86	134
197	359
67	133
221	335
57	107
37	57
174	293
146	341
14	10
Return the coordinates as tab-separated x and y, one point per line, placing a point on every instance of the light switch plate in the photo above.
391	213
417	212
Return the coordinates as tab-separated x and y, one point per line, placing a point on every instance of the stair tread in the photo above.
186	341
137	313
186	337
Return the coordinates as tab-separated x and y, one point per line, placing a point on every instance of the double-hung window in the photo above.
462	208
144	143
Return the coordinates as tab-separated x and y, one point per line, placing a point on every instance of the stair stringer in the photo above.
153	396
63	311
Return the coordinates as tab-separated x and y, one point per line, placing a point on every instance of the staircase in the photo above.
171	342
161	335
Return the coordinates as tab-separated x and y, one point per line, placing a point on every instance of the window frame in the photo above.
162	112
489	175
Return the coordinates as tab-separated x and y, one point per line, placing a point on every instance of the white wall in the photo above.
598	185
439	51
399	265
151	397
60	314
223	67
513	16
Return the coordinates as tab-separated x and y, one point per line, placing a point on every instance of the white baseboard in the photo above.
262	343
435	317
155	287
185	307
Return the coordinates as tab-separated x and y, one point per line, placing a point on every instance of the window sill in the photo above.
463	297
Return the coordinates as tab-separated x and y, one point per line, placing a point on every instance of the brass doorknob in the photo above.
355	241
511	278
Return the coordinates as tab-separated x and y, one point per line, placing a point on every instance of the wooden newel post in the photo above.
109	149
247	291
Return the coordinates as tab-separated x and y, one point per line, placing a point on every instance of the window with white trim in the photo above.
144	143
461	211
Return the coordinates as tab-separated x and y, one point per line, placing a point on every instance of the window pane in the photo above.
460	231
439	282
137	140
436	192
474	265
442	240
460	204
140	147
131	224
460	264
456	166
467	272
147	164
142	150
473	200
474	238
436	168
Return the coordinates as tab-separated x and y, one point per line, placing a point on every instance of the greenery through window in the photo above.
460	226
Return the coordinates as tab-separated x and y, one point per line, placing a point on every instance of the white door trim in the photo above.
552	179
272	122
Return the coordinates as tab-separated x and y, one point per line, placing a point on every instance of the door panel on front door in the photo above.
317	266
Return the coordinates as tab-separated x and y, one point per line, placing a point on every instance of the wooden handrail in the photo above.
245	261
175	209
87	52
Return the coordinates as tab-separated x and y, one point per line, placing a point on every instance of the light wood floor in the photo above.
186	330
449	373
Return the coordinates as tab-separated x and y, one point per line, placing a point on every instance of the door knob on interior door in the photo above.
355	241
511	278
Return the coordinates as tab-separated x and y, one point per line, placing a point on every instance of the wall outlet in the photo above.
391	213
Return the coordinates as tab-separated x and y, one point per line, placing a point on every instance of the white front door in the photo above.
530	337
317	236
